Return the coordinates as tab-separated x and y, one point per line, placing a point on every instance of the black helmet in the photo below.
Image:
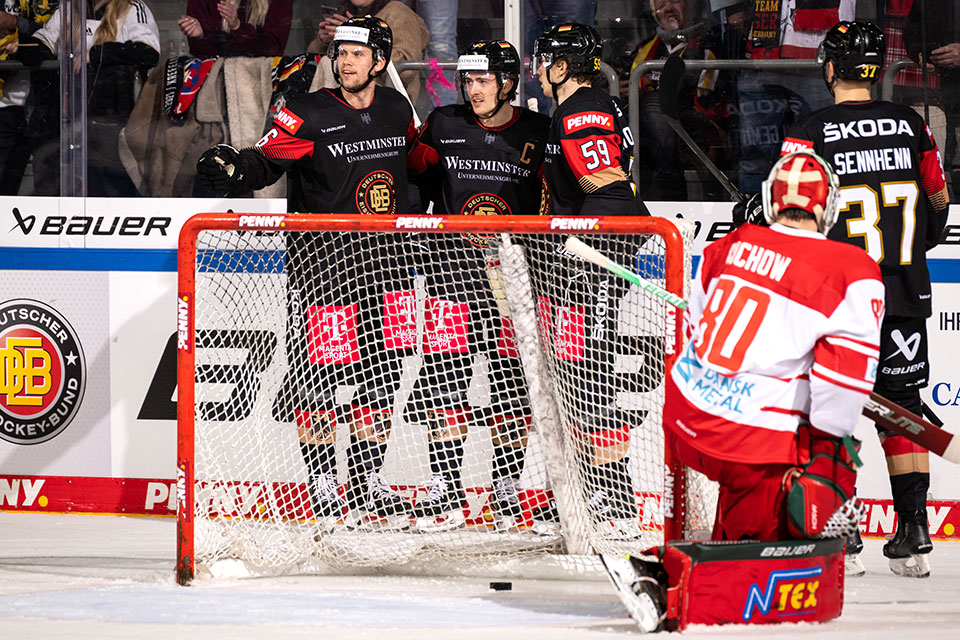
856	49
578	44
373	32
493	56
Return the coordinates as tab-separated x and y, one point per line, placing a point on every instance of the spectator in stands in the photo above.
938	42
122	41
684	31
252	28
410	35
440	17
770	101
541	15
21	19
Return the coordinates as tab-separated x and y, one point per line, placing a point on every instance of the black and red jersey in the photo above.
338	159
480	170
589	154
892	197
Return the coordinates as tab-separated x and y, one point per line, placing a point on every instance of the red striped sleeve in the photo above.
280	145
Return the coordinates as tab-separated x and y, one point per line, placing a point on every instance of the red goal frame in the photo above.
187	263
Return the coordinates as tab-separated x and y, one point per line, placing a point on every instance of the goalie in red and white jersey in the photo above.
784	340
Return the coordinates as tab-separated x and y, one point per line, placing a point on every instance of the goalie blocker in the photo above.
688	582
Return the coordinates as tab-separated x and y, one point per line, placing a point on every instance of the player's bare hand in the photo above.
228	12
190	26
11	47
947	55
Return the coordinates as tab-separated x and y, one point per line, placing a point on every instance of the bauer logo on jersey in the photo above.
588	120
332	335
785	594
288	120
44	372
792	145
484	204
375	194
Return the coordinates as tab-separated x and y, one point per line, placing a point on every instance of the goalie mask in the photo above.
856	49
804	181
577	44
497	57
370	32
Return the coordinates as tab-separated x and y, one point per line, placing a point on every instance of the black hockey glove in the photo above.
750	209
217	169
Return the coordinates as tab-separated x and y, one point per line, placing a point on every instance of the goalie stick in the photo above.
670	77
877	408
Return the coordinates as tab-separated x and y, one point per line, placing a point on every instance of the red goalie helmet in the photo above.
805	181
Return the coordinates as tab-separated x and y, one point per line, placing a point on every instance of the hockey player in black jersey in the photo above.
587	169
344	150
483	157
893	204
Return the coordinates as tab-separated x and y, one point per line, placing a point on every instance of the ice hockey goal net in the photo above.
360	391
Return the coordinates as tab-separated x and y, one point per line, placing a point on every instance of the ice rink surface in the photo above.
95	577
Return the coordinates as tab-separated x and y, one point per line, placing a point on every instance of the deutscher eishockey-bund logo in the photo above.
43	372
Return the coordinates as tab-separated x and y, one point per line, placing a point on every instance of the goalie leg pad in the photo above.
752	582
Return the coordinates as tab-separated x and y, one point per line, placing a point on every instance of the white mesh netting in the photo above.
361	398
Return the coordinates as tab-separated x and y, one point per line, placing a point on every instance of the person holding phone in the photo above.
410	35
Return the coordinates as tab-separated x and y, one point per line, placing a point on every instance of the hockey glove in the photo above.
750	209
217	169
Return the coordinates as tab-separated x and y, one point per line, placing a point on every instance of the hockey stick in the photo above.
670	77
397	83
877	408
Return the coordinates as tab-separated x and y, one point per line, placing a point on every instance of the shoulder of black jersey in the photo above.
537	121
393	99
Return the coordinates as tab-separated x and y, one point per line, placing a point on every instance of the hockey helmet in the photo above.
802	180
856	49
493	56
578	44
373	32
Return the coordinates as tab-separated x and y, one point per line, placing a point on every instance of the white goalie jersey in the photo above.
783	328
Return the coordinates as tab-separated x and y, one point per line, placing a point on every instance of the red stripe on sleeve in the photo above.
931	172
844	361
280	145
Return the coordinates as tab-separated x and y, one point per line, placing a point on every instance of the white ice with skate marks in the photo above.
95	577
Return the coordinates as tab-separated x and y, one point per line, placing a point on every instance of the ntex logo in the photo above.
790	591
419	222
575	224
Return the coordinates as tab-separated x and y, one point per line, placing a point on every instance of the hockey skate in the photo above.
852	564
441	509
384	509
638	584
612	524
910	545
327	503
508	511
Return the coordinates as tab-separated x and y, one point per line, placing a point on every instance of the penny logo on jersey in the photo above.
44	372
375	194
484	204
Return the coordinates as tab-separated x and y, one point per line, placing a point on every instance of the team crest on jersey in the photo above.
484	204
375	194
44	372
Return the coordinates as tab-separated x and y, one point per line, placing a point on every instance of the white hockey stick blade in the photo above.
397	83
637	592
588	253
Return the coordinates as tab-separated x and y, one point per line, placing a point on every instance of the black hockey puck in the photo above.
501	586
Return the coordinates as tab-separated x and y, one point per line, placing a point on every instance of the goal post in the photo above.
357	391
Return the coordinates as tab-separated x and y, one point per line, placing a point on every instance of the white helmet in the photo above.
802	180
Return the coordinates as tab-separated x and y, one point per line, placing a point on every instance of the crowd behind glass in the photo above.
165	80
